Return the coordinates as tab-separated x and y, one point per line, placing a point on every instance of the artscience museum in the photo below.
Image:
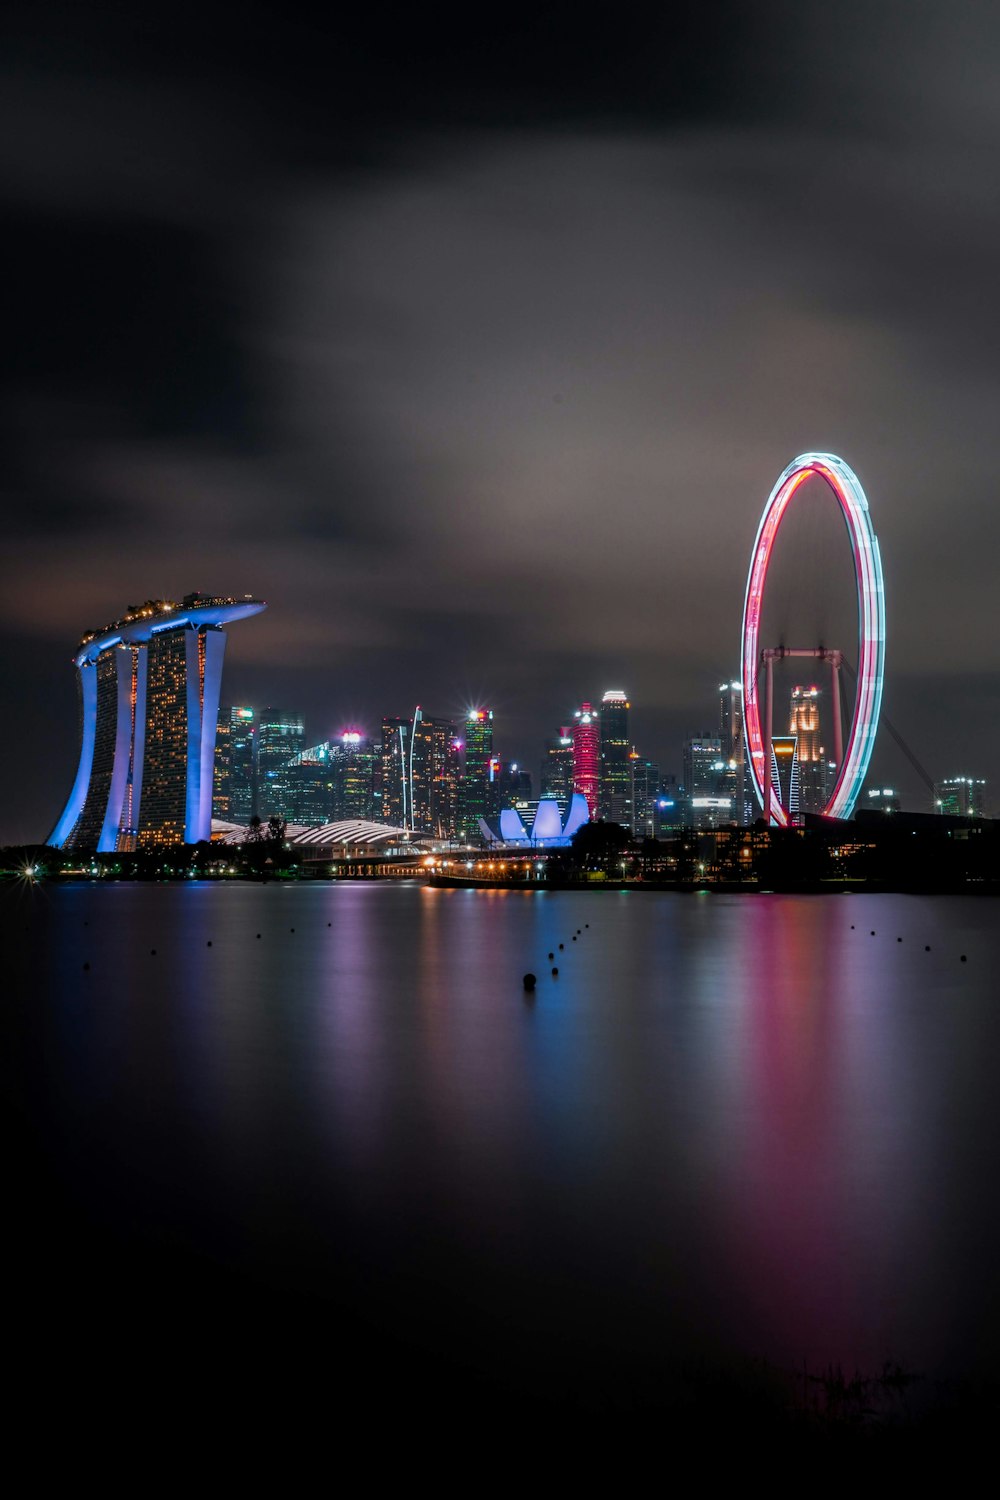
548	824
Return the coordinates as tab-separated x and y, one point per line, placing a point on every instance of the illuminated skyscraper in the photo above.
304	786
434	771
730	719
961	796
816	772
708	800
557	767
280	736
738	785
330	781
586	755
394	802
514	786
233	779
785	772
615	792
352	778
645	788
479	791
222	770
242	763
149	701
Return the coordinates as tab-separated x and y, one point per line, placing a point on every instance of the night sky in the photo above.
475	349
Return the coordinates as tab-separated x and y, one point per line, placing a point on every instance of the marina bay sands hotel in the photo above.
149	702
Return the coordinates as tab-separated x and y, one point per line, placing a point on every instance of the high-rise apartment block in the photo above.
149	701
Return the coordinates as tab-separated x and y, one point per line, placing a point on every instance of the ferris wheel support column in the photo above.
838	728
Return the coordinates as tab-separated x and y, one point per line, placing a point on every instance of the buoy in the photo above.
209	943
873	932
528	981
899	940
152	952
291	929
258	934
86	966
574	937
329	924
927	947
852	926
586	924
962	960
561	947
555	971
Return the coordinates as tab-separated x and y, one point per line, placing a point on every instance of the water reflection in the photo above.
731	1124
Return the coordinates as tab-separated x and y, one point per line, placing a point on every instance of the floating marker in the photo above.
899	940
258	934
561	947
873	932
86	966
152	952
528	981
551	957
927	947
555	971
209	943
962	959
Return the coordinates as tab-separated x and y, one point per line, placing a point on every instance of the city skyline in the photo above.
424	773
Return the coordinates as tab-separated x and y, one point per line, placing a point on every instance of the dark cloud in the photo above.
475	349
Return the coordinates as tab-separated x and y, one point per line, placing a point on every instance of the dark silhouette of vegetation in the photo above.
601	847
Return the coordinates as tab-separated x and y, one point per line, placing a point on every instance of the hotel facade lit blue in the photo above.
149	701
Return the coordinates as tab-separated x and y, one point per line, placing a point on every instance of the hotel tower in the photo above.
149	701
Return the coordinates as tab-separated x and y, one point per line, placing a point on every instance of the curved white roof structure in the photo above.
356	831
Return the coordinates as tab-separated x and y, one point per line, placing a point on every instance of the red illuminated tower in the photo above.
586	755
